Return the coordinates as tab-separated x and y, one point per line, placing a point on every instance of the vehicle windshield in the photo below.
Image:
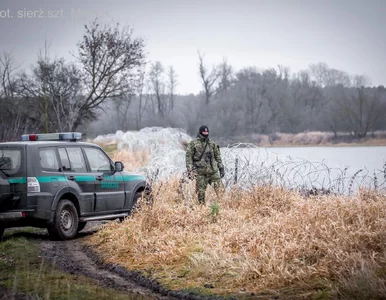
10	162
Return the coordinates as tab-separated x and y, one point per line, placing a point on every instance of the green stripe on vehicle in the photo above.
132	177
20	180
82	178
45	179
79	178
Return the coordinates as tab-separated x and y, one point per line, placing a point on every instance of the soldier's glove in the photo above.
222	172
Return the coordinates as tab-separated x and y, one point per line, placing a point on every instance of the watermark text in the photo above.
73	13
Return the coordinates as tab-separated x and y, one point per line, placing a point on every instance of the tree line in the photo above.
251	101
57	95
110	86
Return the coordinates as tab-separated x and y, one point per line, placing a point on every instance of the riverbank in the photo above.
266	242
303	139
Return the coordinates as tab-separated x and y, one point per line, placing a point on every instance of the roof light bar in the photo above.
61	136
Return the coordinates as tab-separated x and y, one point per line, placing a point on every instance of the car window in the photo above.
10	160
64	159
98	160
76	158
48	159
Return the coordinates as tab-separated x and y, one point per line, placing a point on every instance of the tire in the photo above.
136	205
136	202
65	225
81	226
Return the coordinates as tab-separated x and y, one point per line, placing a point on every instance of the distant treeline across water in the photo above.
310	138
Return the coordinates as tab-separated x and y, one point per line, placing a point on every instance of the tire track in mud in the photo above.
74	257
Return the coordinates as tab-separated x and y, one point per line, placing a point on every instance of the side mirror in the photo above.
119	166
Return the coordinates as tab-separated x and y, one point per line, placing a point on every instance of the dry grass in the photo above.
260	240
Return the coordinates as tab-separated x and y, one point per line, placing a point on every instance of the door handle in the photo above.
99	177
71	177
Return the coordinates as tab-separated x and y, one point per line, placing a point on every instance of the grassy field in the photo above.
266	242
23	271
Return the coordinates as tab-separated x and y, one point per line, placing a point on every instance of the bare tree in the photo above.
251	95
172	83
14	116
225	72
122	106
358	109
54	90
209	78
157	87
358	81
304	77
274	95
141	103
7	73
111	59
230	114
284	72
362	110
325	76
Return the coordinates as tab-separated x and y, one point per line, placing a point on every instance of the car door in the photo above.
50	177
80	181
110	191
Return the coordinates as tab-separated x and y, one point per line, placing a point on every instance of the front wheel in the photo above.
137	201
65	225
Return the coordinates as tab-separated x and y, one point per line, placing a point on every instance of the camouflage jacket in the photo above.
210	161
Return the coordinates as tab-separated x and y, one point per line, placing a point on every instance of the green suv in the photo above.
54	181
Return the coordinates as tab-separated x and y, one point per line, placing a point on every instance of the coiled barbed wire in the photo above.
247	165
261	166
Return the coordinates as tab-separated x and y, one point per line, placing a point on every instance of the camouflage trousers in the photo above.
202	182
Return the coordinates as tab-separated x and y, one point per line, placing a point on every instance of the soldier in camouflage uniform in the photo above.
203	161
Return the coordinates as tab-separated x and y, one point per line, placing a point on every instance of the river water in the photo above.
339	169
355	158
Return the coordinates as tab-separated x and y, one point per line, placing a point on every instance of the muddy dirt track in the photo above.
74	257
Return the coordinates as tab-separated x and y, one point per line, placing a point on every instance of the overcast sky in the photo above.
349	35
